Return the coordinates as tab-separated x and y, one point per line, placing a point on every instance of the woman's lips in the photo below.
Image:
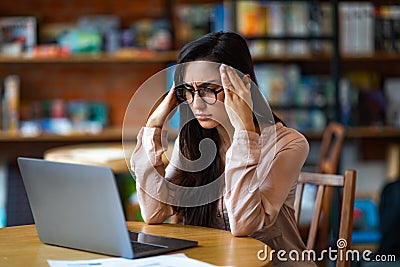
203	117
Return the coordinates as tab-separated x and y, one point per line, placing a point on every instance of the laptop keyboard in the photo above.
141	247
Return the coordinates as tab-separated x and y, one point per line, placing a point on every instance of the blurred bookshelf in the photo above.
313	38
107	134
361	132
297	38
355	82
171	56
124	57
113	134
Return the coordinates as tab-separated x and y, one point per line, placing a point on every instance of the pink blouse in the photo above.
264	211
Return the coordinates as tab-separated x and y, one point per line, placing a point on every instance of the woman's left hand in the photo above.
238	102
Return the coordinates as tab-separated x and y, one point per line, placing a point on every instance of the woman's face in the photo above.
202	75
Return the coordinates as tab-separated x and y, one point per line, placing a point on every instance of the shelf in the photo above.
171	56
291	38
373	132
378	56
361	132
300	107
128	57
109	134
315	58
115	134
152	57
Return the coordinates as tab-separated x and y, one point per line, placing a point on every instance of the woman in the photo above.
257	158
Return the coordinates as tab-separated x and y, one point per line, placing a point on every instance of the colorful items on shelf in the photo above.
64	117
392	94
303	102
81	41
50	50
387	28
10	104
90	34
17	35
56	116
364	28
356	28
257	19
195	20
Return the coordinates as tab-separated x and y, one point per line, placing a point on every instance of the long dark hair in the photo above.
230	49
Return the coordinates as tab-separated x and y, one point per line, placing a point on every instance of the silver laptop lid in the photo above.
76	206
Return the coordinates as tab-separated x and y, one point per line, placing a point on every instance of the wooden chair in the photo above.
323	181
331	146
329	155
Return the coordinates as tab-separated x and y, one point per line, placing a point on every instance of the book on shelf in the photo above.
303	102
284	85
387	28
17	35
297	19
344	101
284	19
356	26
192	21
392	94
272	83
366	28
276	27
63	117
10	104
251	19
221	17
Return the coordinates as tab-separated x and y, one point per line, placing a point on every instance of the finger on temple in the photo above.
226	83
234	77
247	81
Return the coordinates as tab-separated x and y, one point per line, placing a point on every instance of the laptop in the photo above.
78	206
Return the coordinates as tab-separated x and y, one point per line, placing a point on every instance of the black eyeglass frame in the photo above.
200	92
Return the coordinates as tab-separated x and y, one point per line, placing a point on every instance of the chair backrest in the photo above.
331	146
323	181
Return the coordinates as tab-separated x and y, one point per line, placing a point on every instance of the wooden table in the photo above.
20	246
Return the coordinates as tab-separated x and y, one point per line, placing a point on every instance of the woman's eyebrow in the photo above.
206	83
187	85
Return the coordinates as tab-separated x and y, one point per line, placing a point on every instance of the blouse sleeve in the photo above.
254	198
150	173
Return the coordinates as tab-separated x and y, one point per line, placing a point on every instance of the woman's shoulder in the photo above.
286	136
287	131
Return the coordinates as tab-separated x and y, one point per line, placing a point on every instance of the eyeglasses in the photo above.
208	95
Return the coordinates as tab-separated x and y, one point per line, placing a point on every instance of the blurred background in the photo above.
68	69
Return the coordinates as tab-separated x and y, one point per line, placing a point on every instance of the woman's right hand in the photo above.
162	110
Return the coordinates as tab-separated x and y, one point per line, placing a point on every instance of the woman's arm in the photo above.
252	206
151	187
